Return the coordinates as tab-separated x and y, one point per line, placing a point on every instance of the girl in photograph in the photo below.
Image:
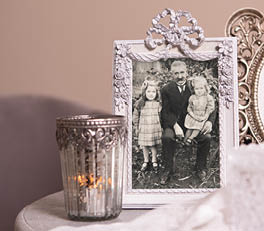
201	105
146	120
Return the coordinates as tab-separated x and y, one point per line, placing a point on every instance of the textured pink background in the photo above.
63	49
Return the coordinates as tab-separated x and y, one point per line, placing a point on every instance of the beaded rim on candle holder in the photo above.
94	120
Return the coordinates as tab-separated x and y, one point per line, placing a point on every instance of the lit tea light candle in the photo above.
90	163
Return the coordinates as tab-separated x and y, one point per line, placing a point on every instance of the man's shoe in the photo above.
165	178
202	175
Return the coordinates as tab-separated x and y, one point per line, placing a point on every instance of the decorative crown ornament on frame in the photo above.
211	58
175	36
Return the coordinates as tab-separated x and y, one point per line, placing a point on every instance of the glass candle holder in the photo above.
91	152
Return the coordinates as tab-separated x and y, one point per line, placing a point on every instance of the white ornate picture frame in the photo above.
176	43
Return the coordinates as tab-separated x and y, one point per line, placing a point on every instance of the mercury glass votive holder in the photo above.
91	151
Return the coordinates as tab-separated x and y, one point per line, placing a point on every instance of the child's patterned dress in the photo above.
149	124
199	105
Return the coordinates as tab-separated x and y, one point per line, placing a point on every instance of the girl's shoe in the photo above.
155	166
188	142
144	166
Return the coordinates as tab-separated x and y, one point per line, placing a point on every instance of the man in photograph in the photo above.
175	97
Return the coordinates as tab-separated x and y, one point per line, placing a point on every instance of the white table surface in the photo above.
49	213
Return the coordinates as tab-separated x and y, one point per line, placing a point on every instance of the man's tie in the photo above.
182	88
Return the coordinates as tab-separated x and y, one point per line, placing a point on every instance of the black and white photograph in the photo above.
175	124
182	118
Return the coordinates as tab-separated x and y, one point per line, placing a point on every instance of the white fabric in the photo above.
244	194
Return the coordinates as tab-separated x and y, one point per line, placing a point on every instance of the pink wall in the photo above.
63	48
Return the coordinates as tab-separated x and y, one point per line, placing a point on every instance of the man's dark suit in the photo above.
174	109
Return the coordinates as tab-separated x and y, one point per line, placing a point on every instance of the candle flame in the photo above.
82	180
110	181
92	182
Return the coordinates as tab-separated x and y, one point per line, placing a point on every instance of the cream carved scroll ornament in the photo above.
248	26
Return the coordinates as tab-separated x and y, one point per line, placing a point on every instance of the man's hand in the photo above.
178	130
207	128
199	118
